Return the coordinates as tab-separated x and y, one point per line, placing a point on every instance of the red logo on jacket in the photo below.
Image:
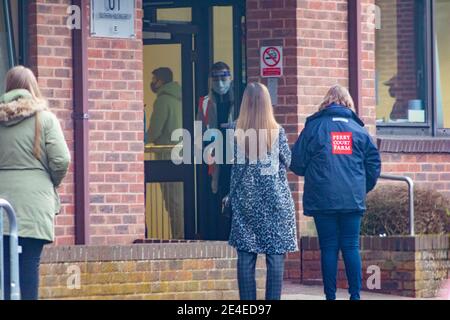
342	142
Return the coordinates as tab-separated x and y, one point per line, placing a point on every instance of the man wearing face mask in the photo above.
216	111
167	117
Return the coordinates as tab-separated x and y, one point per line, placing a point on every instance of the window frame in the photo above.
14	57
438	132
6	6
426	128
430	128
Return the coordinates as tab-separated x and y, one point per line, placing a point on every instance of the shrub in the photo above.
387	211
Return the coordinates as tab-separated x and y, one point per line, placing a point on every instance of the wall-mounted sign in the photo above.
113	18
271	62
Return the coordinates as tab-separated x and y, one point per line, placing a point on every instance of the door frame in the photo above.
6	6
202	57
165	171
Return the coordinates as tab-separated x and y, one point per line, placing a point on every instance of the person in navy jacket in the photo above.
341	164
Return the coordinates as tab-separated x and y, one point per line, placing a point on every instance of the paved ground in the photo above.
302	292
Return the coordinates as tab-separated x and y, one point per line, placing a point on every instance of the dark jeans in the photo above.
29	261
340	232
246	266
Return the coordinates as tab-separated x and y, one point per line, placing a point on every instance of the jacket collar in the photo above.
18	105
336	110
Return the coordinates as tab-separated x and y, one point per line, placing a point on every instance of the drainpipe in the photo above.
355	51
81	125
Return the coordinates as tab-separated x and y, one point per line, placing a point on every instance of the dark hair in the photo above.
219	66
163	74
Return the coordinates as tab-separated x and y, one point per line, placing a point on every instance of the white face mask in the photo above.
221	87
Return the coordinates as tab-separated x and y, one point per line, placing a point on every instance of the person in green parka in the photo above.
167	116
34	159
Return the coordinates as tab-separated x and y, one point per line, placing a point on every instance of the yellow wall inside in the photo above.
156	56
175	14
386	55
223	35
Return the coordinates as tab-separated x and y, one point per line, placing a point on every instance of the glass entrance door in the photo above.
170	212
187	37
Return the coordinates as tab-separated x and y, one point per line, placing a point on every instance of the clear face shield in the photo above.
221	81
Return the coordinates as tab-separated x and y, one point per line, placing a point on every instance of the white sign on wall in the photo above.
113	18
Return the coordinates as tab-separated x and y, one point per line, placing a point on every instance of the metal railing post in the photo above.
410	183
13	251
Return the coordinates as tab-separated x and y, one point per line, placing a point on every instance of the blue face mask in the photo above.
221	87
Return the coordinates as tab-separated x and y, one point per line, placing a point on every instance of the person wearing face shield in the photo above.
216	111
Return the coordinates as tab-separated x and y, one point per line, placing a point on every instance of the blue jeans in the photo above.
246	275
340	231
29	261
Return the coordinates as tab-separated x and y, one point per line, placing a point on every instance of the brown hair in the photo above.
20	77
337	94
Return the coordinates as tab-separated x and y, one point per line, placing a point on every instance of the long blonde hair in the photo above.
337	94
21	77
257	114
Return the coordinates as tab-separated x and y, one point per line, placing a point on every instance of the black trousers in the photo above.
29	261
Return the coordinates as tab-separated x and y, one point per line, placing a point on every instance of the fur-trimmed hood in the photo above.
18	105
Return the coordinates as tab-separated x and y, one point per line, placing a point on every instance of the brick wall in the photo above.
187	271
116	121
314	37
426	169
50	45
315	41
410	266
116	137
368	110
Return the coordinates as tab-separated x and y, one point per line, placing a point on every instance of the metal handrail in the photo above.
410	183
14	252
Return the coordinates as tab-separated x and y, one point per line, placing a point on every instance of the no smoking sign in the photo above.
272	62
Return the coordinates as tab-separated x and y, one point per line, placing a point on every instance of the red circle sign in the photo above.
271	57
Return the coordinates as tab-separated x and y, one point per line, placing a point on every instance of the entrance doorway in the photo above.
182	40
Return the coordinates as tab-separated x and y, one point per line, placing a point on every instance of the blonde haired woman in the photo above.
34	159
341	165
263	220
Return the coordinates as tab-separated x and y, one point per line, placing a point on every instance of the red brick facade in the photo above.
116	146
314	35
116	121
50	45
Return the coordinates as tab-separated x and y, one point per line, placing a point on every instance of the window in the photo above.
12	39
223	35
6	55
442	54
412	67
401	64
174	15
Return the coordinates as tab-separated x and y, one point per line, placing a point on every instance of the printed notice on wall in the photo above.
113	18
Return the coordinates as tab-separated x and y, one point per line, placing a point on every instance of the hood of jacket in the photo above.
18	105
172	89
336	110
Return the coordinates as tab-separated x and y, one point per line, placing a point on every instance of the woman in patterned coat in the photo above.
263	219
